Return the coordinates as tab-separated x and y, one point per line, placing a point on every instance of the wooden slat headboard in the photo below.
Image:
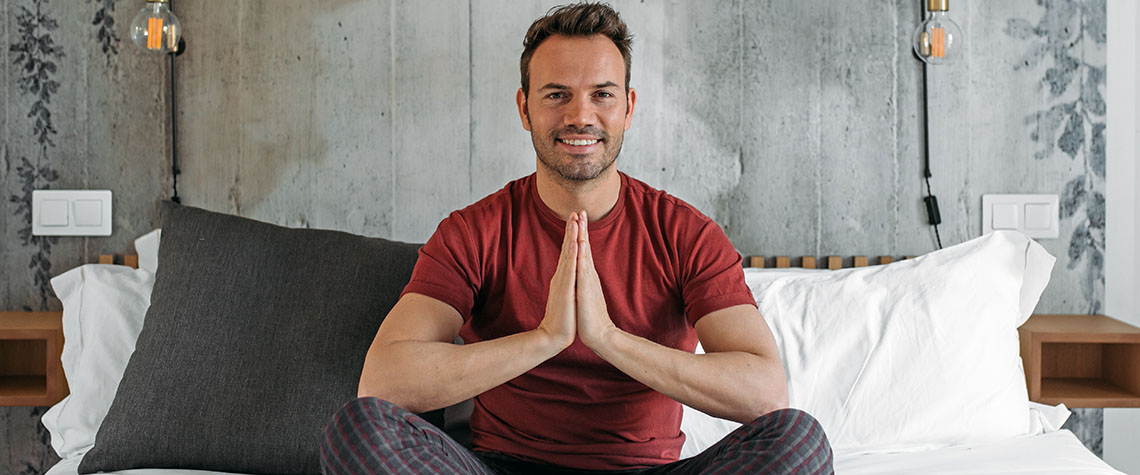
129	260
810	262
778	262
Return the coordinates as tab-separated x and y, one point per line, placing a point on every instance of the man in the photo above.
580	293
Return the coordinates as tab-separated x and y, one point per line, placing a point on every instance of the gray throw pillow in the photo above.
255	336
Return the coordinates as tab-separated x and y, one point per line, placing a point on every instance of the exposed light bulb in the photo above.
938	40
155	28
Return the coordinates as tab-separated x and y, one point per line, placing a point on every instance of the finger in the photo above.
585	258
567	262
583	232
571	235
573	248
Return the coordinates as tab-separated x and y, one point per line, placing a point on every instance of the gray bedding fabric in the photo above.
255	335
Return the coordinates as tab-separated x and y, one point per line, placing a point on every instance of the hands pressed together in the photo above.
576	306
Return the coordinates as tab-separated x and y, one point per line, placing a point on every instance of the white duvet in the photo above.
1052	453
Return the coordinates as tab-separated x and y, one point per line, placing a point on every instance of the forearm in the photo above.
426	375
732	385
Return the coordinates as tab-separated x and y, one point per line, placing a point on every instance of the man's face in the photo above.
577	111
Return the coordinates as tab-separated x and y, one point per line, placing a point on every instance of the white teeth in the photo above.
579	142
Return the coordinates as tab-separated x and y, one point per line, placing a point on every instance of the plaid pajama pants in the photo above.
372	436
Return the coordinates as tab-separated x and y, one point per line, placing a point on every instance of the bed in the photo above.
1054	453
911	366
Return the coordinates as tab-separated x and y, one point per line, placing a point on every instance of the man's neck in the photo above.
598	196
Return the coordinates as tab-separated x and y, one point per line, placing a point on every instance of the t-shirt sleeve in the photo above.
448	267
713	277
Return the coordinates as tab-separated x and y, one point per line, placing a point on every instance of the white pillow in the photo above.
759	278
146	246
1038	265
1044	419
921	353
103	311
862	346
702	430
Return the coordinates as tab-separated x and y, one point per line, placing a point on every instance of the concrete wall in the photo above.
795	125
799	137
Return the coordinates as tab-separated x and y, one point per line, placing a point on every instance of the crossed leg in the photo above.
369	436
785	441
372	436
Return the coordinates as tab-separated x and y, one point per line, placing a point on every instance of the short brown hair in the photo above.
579	19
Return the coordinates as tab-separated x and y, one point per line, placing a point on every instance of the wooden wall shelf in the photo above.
31	373
1081	360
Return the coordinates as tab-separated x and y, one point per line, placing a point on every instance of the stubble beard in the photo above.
576	168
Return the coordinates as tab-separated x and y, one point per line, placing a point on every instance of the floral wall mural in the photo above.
1075	116
107	37
37	55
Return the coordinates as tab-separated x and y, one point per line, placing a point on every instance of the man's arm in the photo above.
739	378
414	364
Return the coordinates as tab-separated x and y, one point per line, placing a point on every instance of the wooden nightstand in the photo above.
1081	360
31	373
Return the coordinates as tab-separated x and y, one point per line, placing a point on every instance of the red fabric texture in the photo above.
663	265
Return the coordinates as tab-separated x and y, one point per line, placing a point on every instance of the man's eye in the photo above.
556	95
605	94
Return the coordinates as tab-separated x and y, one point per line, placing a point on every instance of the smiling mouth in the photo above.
579	142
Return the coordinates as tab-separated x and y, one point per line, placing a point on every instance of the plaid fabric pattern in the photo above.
788	441
371	436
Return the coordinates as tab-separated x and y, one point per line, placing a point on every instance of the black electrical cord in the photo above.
173	134
174	169
931	202
932	212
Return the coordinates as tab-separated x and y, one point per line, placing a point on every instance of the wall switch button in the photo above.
1037	216
88	213
53	213
1005	216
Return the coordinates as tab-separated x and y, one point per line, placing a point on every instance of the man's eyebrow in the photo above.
563	87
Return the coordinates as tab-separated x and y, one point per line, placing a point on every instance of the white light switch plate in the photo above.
71	212
1035	216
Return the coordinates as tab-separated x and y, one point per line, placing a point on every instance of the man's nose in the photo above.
580	112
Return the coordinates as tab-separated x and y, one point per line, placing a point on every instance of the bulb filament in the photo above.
154	33
939	46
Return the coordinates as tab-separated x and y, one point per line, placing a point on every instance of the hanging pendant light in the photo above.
155	28
938	40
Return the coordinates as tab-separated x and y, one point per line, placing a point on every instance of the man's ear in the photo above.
520	99
630	100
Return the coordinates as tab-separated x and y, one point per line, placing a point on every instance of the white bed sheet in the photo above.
1053	453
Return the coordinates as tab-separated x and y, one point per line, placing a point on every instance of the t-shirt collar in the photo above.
551	217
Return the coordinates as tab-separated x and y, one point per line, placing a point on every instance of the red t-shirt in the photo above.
662	264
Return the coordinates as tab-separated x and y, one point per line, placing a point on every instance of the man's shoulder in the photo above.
497	203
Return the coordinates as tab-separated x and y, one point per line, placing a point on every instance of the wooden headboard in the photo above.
778	262
810	262
129	260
